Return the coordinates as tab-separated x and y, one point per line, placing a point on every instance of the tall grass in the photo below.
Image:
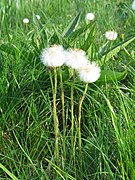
27	138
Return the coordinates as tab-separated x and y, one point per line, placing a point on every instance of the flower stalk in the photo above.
63	115
79	121
56	122
72	112
53	57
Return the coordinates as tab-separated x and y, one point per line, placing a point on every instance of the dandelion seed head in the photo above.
133	5
37	16
90	16
25	20
89	73
76	58
53	56
111	35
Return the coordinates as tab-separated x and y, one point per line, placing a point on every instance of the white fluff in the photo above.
90	16
133	5
37	16
76	58
90	73
53	56
111	35
25	20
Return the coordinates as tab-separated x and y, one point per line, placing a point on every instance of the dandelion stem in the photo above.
51	80
56	122
72	111
63	114
79	121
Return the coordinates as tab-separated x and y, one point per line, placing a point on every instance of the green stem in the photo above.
50	73
63	115
56	122
79	122
72	111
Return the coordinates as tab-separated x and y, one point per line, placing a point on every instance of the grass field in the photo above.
106	148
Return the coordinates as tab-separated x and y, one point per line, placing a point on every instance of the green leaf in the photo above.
8	172
110	76
57	38
72	26
89	39
108	55
79	31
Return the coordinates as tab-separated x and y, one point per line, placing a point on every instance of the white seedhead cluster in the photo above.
56	56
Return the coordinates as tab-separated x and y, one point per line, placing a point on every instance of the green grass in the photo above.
27	137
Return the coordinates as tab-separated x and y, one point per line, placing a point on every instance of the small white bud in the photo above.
111	35
90	16
25	20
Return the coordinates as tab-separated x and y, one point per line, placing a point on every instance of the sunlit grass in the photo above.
27	138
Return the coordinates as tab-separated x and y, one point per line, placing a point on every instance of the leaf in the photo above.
116	49
89	39
41	31
57	38
79	31
72	26
109	76
8	172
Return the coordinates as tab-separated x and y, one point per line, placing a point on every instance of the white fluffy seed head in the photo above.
76	58
89	73
37	16
53	56
111	35
25	20
133	5
90	16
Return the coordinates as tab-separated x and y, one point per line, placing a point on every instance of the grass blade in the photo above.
79	31
72	26
116	49
59	171
8	172
89	39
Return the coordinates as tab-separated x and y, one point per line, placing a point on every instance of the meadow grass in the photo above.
27	138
